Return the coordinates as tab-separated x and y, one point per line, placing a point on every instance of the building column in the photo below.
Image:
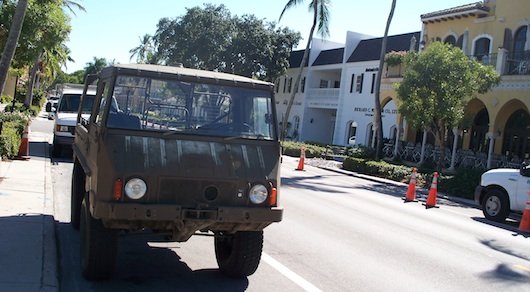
465	40
423	142
491	137
456	133
502	55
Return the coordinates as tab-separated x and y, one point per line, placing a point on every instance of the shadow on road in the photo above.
394	190
506	273
512	224
139	267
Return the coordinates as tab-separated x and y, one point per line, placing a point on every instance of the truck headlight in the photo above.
135	188
60	128
258	194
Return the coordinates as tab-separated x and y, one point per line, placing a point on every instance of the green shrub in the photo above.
354	164
292	148
20	107
6	99
9	141
462	183
12	128
360	151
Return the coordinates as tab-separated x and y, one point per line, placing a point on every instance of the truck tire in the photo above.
77	195
495	205
238	255
99	246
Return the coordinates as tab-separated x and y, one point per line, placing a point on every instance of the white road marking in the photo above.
289	274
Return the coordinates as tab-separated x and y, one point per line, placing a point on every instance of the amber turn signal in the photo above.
118	190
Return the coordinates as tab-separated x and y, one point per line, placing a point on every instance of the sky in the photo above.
109	29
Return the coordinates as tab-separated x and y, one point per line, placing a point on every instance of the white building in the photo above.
335	100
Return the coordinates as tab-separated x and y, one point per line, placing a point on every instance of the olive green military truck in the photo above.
178	152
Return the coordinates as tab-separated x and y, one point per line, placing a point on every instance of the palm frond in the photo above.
290	4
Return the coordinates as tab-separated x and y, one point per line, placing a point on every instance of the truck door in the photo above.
522	196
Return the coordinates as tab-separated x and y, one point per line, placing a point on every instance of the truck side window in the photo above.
101	105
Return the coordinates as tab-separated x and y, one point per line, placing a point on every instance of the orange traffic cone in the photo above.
302	158
23	150
411	191
431	199
524	225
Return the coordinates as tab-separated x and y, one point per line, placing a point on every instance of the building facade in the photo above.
335	100
337	104
497	33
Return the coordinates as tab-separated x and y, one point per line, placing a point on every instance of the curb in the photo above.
49	269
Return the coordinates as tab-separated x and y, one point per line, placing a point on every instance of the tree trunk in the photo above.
12	41
378	120
31	81
285	119
441	140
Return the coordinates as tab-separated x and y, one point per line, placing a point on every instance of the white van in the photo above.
65	115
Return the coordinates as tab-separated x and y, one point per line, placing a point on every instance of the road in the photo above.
339	233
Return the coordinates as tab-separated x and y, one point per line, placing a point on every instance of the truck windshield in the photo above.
70	103
192	108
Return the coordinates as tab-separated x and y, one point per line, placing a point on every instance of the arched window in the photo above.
516	135
479	130
352	133
460	42
519	42
482	50
450	40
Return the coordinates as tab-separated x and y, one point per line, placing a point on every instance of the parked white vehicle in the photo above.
502	191
65	115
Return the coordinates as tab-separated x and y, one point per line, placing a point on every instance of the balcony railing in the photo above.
506	63
489	59
518	63
323	97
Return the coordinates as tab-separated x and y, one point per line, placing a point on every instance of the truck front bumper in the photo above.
165	212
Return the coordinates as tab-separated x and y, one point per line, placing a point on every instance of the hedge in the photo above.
291	148
12	127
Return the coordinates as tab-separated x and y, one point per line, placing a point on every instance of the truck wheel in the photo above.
495	205
238	254
99	246
77	195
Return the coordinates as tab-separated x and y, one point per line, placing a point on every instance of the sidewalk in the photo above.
28	252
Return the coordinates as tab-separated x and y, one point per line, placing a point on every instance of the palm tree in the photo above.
12	40
71	5
320	10
378	120
50	47
144	50
95	66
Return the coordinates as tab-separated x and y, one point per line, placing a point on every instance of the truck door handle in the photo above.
512	179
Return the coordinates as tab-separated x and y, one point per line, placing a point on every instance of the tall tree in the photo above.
51	27
143	50
378	120
437	85
95	66
320	9
12	41
210	38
